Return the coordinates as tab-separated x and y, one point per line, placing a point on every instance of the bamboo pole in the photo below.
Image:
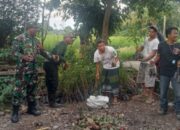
164	25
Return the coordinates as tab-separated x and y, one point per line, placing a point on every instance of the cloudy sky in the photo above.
59	23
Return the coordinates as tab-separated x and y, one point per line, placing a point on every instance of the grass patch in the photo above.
126	53
52	40
120	41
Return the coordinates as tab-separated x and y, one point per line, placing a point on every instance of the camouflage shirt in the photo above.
26	45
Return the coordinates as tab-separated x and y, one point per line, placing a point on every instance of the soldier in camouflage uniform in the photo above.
25	48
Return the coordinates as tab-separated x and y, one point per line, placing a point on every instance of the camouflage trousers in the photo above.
25	87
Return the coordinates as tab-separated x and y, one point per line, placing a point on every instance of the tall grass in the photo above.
52	40
126	53
120	41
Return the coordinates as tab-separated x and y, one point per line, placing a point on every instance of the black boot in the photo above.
32	109
52	101
15	114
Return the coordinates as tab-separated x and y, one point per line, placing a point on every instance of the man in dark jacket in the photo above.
51	68
169	58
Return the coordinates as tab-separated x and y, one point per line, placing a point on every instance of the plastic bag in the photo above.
97	101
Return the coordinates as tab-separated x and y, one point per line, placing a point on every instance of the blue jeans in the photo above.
164	86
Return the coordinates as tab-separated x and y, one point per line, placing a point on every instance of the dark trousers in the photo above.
51	70
164	86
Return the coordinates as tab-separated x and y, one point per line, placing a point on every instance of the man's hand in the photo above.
97	76
28	58
55	58
65	66
40	46
116	60
152	62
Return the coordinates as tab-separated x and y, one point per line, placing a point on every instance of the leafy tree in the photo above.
173	16
134	27
14	15
147	13
103	17
93	17
67	30
50	6
154	7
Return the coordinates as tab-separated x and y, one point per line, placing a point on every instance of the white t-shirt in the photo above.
150	46
106	58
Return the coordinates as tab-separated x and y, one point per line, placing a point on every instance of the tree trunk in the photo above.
45	26
105	28
42	25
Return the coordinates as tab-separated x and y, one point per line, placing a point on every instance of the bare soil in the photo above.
136	115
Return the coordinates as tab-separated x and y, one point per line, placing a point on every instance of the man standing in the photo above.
169	56
110	75
147	72
51	68
25	48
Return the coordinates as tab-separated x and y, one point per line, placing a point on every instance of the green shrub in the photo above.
4	53
126	53
120	41
6	87
76	81
6	56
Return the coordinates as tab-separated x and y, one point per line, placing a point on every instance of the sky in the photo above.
59	23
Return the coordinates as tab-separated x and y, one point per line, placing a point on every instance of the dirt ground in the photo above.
136	115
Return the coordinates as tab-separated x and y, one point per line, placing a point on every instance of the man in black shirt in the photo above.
168	56
51	68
